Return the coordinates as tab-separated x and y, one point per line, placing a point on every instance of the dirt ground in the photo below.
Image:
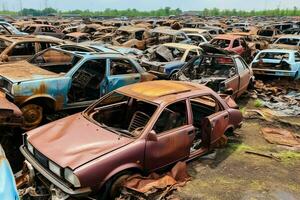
231	173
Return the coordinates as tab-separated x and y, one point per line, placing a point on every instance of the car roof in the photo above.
194	30
278	51
290	36
162	90
166	30
130	28
181	46
28	38
227	36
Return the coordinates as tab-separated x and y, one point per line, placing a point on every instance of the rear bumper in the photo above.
274	72
54	180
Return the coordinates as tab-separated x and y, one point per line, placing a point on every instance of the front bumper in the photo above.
54	180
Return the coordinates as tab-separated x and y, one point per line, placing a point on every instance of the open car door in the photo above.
216	125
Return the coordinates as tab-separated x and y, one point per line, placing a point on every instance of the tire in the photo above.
112	188
172	76
33	116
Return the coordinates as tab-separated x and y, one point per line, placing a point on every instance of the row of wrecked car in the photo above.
131	122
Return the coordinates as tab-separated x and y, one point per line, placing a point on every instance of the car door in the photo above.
237	47
244	75
21	51
215	125
174	137
121	72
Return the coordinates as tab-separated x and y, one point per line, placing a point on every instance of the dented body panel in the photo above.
103	153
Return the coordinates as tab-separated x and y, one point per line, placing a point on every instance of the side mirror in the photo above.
152	136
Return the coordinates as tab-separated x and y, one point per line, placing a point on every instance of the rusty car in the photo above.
77	37
15	48
220	70
56	79
167	59
139	128
43	29
234	43
291	42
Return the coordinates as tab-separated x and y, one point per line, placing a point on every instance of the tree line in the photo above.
167	11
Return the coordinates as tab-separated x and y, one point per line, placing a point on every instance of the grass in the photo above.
258	103
288	156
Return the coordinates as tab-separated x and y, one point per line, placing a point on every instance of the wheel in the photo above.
33	116
173	76
112	188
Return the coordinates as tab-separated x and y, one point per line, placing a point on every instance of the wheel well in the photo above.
48	104
229	131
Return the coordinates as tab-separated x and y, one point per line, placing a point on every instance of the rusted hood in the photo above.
74	141
23	71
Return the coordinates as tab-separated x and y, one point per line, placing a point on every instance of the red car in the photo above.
138	128
234	43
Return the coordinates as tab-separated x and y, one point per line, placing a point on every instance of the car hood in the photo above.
24	71
74	141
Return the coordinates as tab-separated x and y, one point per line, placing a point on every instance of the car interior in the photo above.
129	115
202	107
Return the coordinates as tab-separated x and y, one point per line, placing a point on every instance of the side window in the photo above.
202	107
3	31
297	57
118	67
139	35
240	65
236	43
23	49
46	45
173	116
191	54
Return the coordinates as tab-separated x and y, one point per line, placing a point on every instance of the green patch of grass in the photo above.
257	185
243	110
289	156
258	103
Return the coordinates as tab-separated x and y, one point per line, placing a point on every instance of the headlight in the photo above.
54	168
71	177
30	148
161	69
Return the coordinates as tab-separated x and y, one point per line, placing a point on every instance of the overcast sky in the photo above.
148	4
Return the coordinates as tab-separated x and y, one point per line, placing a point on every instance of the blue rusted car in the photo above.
57	79
277	62
8	189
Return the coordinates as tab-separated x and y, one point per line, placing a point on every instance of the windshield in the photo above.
273	55
288	41
222	43
122	114
55	61
210	66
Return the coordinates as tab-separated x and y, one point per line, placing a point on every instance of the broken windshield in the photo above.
122	114
222	43
273	55
221	67
55	61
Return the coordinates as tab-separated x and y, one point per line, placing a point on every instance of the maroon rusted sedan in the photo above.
138	128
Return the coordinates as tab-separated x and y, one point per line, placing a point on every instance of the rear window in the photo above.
273	55
288	41
222	43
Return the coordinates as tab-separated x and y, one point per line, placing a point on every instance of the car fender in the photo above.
122	168
37	96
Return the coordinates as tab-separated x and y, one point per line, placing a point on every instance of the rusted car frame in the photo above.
171	121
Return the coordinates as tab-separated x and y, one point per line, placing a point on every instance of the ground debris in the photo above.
266	155
155	186
281	137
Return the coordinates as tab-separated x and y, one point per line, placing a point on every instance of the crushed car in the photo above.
277	62
136	129
220	70
43	29
56	79
166	59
